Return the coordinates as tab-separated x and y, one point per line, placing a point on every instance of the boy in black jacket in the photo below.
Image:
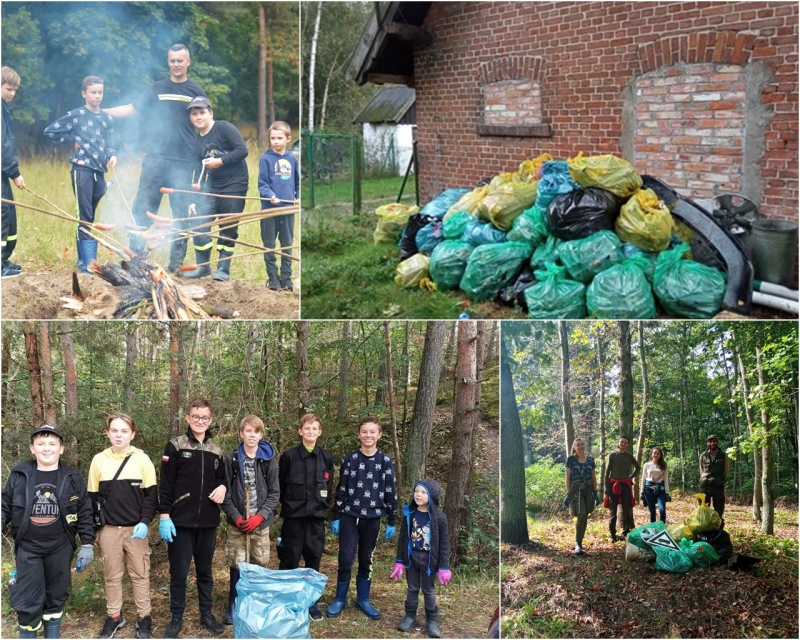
46	503
252	475
424	551
220	152
192	488
306	477
10	84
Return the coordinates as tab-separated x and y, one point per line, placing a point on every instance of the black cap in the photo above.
46	428
712	437
199	102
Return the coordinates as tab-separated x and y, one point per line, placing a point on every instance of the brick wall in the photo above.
591	58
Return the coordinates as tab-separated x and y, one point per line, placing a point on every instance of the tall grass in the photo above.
46	243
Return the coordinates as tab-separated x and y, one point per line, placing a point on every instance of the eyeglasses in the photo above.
201	418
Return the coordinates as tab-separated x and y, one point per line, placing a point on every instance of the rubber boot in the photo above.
52	628
224	266
27	633
432	627
87	251
363	587
137	243
197	272
177	253
340	601
228	619
410	621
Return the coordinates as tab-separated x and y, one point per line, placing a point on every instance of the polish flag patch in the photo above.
164	458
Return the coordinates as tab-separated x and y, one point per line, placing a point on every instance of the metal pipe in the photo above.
775	290
774	302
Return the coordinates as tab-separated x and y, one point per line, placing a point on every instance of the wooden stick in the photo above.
247	535
191	267
122	193
55	206
169	190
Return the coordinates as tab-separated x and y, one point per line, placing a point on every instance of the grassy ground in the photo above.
46	243
547	592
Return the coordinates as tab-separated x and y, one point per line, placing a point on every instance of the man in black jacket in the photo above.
306	477
45	502
192	488
10	84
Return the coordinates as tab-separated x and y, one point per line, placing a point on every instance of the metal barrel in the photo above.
774	250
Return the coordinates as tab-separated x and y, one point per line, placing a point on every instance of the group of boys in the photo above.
47	503
186	150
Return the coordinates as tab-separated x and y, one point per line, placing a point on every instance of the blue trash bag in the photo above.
274	604
441	203
429	236
555	180
478	233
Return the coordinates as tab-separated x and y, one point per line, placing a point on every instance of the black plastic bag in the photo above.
513	293
582	212
408	241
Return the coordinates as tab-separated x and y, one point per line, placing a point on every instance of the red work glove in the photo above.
252	523
239	522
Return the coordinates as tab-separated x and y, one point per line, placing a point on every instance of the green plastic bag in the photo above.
528	229
645	221
607	172
554	296
635	536
685	288
546	252
453	226
506	202
448	262
621	292
392	219
491	266
412	270
587	257
672	560
702	519
702	554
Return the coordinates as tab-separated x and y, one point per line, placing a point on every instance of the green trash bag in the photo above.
672	560
554	296
621	292
635	536
685	288
528	229
412	270
607	172
491	266
453	226
448	262
587	257
645	221
507	202
702	519
546	252
702	554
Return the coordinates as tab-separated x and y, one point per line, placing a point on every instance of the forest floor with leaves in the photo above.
548	592
35	295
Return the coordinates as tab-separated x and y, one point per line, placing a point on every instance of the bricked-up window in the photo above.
512	98
690	127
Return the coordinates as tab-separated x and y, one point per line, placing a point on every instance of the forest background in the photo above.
438	408
665	384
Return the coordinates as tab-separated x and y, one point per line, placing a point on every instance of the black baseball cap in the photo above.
46	428
199	102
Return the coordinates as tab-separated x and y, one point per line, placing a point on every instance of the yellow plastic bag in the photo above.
679	532
703	519
502	179
504	204
469	202
392	219
645	221
530	168
411	271
607	172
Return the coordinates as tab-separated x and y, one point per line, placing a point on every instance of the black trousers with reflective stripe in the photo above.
42	583
9	216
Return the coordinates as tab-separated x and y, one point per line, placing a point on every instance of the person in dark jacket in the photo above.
192	488
423	550
714	468
252	476
46	504
306	477
10	172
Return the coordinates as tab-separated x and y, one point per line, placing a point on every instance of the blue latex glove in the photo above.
390	531
335	527
166	529
85	557
139	531
567	500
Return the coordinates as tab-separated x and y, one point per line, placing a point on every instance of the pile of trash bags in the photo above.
560	239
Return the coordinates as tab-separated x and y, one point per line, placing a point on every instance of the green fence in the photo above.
331	169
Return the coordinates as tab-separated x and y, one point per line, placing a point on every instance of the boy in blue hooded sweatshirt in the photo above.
423	549
252	466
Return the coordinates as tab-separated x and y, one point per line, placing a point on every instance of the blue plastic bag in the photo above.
478	233
555	180
274	604
441	203
429	236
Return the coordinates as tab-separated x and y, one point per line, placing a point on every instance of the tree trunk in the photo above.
34	372
380	386
344	372
734	410
480	356
392	418
748	411
131	352
6	368
513	519
312	67
449	352
645	404
625	379
768	518
174	379
406	373
566	404
461	463
263	38
682	403
45	352
419	431
303	328
601	420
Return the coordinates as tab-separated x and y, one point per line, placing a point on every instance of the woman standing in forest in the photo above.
619	487
655	484
581	479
